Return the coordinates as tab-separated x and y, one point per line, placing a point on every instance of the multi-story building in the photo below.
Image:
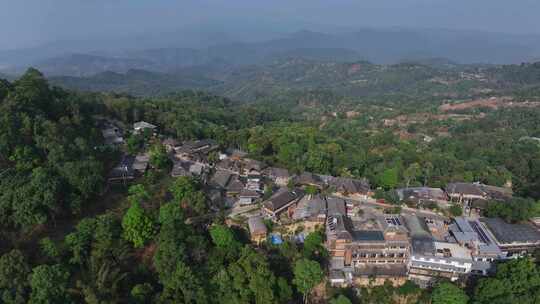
472	234
432	259
514	240
368	246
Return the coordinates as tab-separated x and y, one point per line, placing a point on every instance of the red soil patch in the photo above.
493	103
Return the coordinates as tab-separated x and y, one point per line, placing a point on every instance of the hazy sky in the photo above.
32	22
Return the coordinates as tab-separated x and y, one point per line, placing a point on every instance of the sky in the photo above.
27	23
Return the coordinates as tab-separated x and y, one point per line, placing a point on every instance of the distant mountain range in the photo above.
136	82
378	46
437	77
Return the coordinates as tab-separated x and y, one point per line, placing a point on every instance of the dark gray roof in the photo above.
422	245
277	172
310	206
336	227
170	142
256	225
367	236
200	143
421	239
421	193
392	222
336	274
123	169
235	184
196	168
497	193
349	185
236	153
336	206
252	164
464	188
472	231
198	146
228	164
512	233
249	193
417	226
141	161
221	178
180	169
308	178
282	198
337	263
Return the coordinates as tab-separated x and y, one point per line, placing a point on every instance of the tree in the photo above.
184	287
38	199
341	299
284	290
134	143
31	91
249	280
448	293
158	156
307	274
49	285
14	272
314	245
455	210
138	194
141	293
408	288
516	210
183	187
79	242
411	173
389	178
427	170
138	227
310	189
516	281
224	239
186	191
177	242
170	213
49	248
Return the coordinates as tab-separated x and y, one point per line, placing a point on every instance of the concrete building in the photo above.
431	259
472	235
372	245
514	240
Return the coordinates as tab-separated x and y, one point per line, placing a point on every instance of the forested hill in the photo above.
48	160
136	82
435	79
55	247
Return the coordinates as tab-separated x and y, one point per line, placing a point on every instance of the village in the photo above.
369	240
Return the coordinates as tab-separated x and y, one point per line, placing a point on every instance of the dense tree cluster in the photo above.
48	163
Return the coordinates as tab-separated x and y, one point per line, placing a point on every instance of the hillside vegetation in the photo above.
68	237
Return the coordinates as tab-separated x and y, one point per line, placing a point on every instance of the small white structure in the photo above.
248	197
140	126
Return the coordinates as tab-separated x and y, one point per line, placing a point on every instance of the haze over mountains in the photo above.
382	46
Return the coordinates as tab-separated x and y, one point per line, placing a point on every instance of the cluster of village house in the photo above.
365	243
